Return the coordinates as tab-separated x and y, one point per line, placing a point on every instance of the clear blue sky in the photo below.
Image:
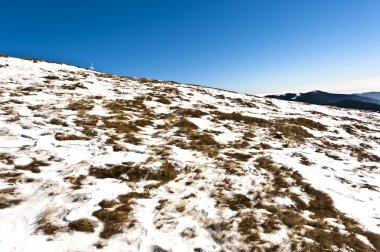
255	46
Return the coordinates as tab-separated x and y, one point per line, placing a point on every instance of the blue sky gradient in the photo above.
269	46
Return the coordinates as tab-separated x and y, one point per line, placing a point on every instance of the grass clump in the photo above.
239	156
34	166
205	143
239	201
135	173
80	105
300	121
190	112
363	155
185	125
237	117
45	224
289	131
165	173
57	121
125	172
5	203
113	221
163	100
82	225
7	158
68	137
248	228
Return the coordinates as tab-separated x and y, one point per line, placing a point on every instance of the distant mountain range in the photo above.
365	101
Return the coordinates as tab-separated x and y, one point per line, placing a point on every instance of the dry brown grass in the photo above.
75	86
107	203
320	206
184	125
291	132
33	167
80	105
57	121
300	121
237	117
162	99
82	225
204	143
51	77
7	197
68	137
123	172
165	173
7	158
349	129
113	221
238	201
238	156
135	173
120	105
120	125
190	112
46	225
362	155
76	181
248	228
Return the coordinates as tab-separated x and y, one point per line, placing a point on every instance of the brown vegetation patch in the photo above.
135	173
248	228
349	129
239	156
163	100
82	225
362	155
244	103
107	203
80	105
76	181
51	77
165	173
239	201
7	158
204	143
57	121
125	198
33	167
46	225
120	125
5	195
190	112
73	86
68	137
126	172
289	131
113	221
300	121
263	146
237	117
120	105
185	125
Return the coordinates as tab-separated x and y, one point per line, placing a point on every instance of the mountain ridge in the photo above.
354	101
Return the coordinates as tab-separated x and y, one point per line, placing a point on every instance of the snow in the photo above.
192	210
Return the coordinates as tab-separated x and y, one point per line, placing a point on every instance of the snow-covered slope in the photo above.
97	162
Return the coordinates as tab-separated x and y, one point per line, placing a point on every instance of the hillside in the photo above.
98	162
365	101
373	95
